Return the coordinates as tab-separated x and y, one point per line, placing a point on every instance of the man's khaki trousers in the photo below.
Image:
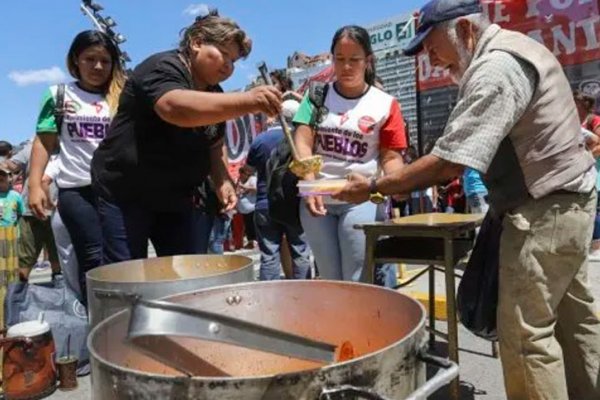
548	331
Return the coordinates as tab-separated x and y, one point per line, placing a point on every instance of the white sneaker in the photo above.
42	265
594	255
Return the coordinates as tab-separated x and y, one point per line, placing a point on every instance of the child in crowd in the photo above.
11	208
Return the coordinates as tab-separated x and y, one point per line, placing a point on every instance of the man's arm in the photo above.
421	174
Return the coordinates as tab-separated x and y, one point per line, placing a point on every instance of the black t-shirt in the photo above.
145	160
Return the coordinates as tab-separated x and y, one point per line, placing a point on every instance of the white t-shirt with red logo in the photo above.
84	126
353	131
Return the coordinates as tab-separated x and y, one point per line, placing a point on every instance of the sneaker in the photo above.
594	255
42	265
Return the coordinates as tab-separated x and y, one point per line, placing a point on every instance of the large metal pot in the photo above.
153	278
385	328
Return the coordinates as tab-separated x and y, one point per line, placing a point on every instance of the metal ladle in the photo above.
299	166
152	322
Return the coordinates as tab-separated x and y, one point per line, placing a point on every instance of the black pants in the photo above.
249	227
78	210
127	229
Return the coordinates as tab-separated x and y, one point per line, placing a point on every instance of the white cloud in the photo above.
195	9
34	76
243	66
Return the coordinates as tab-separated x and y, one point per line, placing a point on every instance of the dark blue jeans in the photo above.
596	234
127	228
269	235
221	229
78	208
202	225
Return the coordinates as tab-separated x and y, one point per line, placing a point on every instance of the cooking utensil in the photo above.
154	321
386	330
299	166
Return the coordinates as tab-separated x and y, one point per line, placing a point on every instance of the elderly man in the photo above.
516	122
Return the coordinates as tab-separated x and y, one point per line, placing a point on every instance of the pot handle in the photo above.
116	294
448	370
350	392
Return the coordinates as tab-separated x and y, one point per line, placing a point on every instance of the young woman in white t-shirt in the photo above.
89	102
361	132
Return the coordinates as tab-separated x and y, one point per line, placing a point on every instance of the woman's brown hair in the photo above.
215	30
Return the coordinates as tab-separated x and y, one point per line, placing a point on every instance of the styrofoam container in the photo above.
320	187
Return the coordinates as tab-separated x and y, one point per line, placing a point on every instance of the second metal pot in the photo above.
153	278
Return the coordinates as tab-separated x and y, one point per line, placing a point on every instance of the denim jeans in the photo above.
270	235
415	205
127	228
339	249
202	226
219	234
385	274
596	234
78	208
477	203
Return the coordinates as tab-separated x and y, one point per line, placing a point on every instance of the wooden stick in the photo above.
264	72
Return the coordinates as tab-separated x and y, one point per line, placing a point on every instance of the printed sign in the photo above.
569	28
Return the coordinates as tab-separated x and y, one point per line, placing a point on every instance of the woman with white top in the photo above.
90	102
361	132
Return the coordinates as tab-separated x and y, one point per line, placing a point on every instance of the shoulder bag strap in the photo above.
59	107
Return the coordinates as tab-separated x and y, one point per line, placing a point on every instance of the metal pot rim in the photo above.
90	274
419	326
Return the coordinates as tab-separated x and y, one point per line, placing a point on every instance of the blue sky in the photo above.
36	35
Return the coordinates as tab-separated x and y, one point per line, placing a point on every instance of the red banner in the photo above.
240	135
569	28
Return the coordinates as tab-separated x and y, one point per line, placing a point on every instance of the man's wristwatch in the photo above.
374	196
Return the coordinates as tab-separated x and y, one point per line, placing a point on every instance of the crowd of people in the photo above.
120	160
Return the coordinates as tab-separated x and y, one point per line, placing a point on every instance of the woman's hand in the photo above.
315	206
38	202
226	193
266	99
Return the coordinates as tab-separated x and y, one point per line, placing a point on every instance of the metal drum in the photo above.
381	332
152	278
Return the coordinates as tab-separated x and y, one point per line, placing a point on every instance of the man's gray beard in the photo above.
464	57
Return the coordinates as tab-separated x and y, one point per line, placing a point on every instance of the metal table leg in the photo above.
431	307
369	267
451	311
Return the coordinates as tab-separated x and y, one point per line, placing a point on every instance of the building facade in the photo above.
388	38
300	67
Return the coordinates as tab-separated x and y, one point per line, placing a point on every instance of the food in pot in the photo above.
346	352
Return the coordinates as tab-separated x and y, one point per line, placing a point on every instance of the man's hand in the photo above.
226	194
315	206
356	190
